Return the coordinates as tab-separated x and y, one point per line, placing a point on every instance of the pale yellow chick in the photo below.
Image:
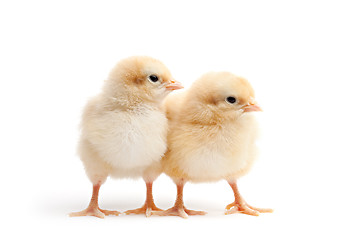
123	129
212	137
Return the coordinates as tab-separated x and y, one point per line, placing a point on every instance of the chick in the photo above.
123	129
211	137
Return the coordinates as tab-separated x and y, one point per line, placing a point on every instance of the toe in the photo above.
136	211
230	206
171	212
148	212
88	212
242	209
261	210
108	212
193	212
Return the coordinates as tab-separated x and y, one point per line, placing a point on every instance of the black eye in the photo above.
153	78
231	100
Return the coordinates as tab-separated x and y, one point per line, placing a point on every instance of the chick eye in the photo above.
153	78
231	100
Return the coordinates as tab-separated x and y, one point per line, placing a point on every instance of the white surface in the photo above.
302	59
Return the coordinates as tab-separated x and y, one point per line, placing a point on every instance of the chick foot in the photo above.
178	211
149	205
94	211
146	209
246	209
93	208
240	206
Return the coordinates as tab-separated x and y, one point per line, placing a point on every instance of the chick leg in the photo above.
149	204
240	206
179	209
93	208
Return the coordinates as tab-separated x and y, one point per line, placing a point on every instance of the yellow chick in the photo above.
123	129
211	137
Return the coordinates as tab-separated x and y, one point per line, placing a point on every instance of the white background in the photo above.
302	57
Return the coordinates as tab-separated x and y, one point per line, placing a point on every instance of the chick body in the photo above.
210	141
210	138
123	129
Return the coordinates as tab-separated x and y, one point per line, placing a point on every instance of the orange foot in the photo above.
144	210
178	211
94	211
246	209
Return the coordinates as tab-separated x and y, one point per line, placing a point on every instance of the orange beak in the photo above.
174	85
252	108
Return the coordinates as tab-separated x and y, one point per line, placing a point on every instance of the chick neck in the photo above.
129	102
202	114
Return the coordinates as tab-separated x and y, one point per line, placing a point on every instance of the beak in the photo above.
252	108
174	85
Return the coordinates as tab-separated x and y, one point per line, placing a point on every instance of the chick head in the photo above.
221	96
140	78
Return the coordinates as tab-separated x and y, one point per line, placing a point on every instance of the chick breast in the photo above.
126	141
202	153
